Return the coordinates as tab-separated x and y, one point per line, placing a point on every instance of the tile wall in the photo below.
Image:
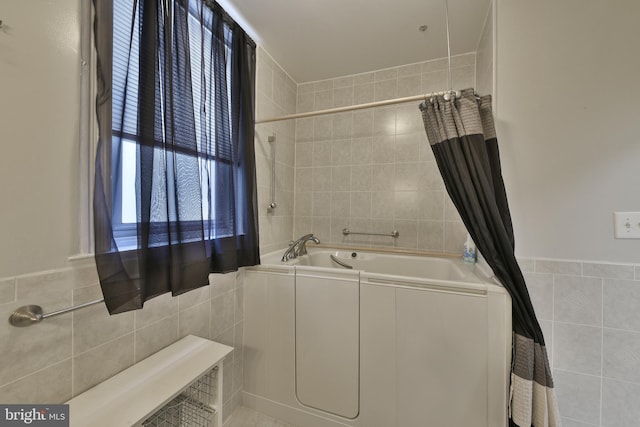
276	96
372	170
590	314
484	57
61	357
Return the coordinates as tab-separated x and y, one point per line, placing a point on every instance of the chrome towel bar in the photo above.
393	234
30	314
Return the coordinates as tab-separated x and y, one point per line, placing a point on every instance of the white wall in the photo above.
39	109
569	124
568	127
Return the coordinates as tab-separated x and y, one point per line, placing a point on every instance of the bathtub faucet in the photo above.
299	247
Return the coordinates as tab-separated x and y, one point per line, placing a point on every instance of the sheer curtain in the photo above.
463	140
175	187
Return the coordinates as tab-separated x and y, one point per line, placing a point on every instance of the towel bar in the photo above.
27	315
393	234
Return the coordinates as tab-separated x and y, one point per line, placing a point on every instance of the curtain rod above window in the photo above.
212	4
359	106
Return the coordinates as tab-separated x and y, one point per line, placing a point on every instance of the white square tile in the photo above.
363	93
321	203
430	205
406	205
621	355
361	204
578	300
621	300
341	178
321	153
571	268
577	348
323	100
361	178
386	89
361	151
383	149
431	235
619	403
343	97
321	178
540	287
578	395
342	125
610	271
382	203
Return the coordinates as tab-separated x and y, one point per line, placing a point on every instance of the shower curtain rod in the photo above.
447	93
359	106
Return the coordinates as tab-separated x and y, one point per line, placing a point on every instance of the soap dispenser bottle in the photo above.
469	252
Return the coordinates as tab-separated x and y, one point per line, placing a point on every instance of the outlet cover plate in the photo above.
626	225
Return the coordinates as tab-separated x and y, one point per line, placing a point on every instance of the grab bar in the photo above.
272	141
393	234
337	261
30	314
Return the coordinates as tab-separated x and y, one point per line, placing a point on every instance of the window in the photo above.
174	196
126	69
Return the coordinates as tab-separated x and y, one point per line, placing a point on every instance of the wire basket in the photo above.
191	408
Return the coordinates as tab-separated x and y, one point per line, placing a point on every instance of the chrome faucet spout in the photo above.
299	247
302	246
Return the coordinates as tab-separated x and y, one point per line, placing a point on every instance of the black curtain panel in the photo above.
463	140
175	187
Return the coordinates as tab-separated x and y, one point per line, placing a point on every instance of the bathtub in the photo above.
433	268
398	340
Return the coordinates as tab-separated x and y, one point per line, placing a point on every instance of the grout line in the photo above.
601	351
107	342
581	422
595	326
553	323
621	381
38	371
73	365
577	372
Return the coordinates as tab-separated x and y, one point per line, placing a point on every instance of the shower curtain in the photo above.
463	139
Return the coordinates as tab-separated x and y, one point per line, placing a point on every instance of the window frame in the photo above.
87	131
125	234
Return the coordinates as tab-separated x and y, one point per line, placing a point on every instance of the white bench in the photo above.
137	393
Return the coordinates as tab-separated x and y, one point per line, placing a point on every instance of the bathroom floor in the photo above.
245	417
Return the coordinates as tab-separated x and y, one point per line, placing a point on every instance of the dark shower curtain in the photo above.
463	139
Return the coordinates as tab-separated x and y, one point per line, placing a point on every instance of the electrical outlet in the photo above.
626	225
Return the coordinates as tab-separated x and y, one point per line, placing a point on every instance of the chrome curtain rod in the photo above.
424	97
447	93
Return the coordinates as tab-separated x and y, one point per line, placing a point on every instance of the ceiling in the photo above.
321	39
